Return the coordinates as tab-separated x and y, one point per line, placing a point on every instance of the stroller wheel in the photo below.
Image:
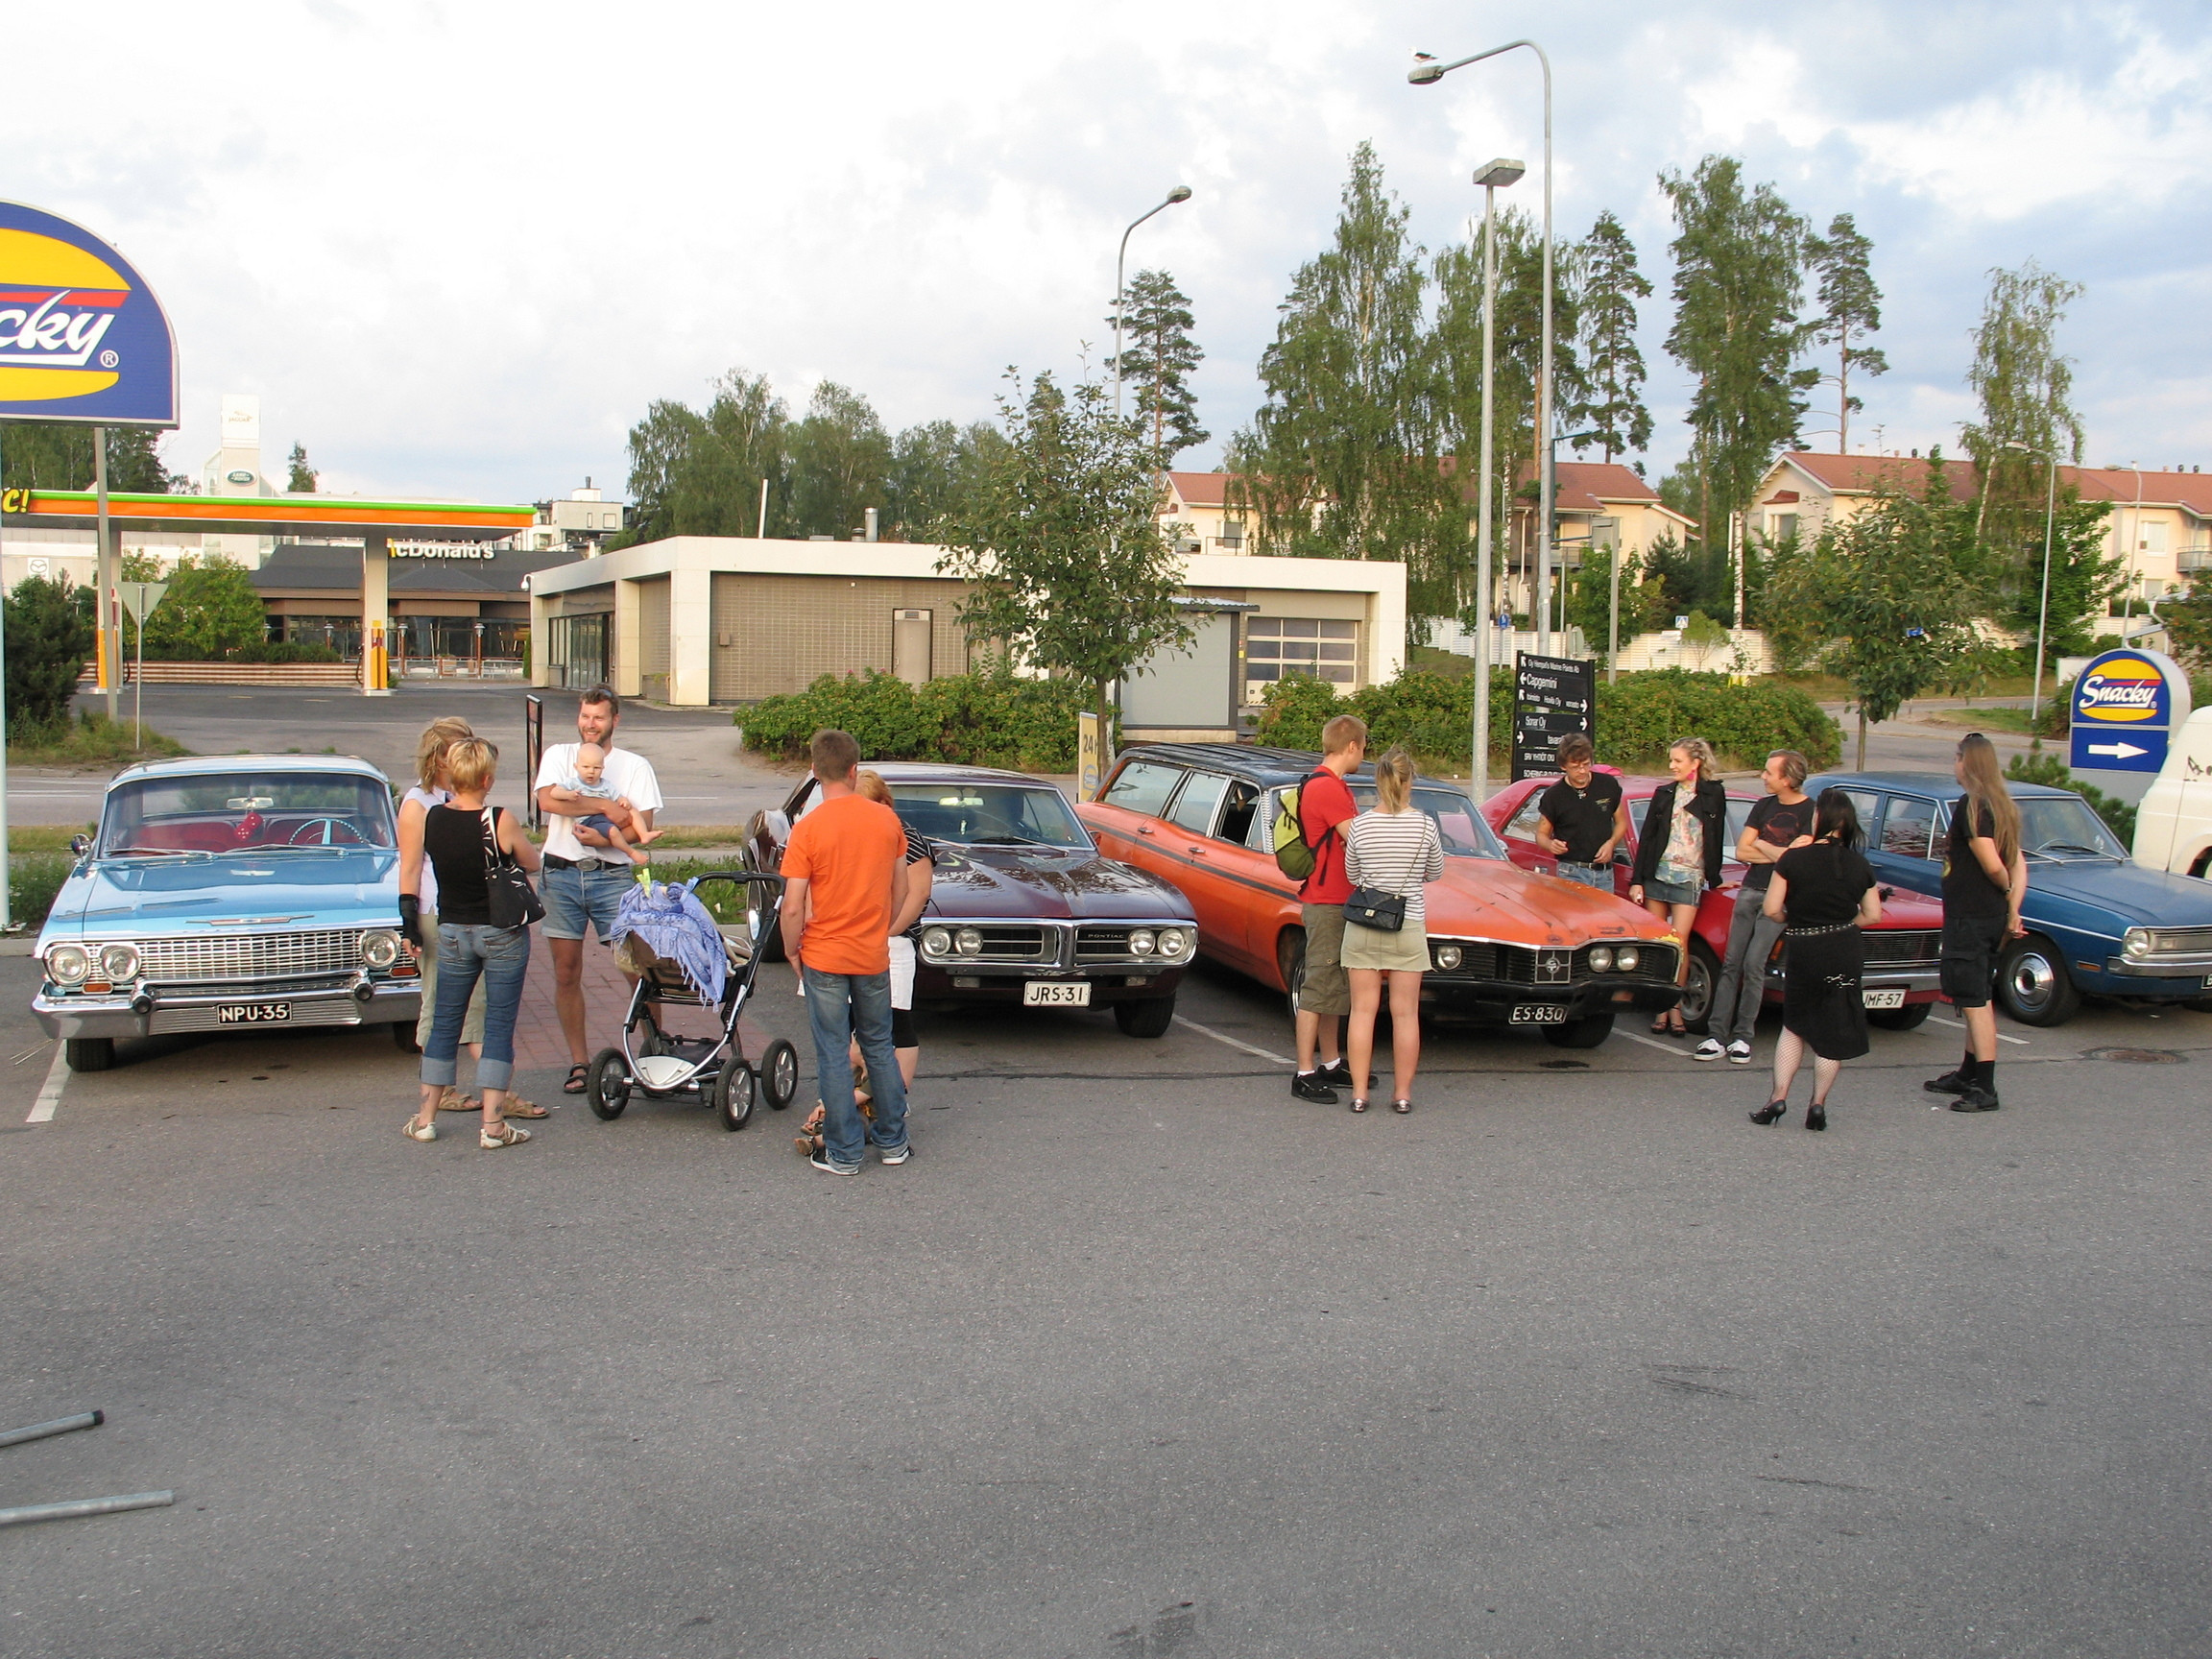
733	1093
780	1074
606	1086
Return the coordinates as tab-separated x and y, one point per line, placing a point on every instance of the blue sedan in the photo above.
229	894
2096	920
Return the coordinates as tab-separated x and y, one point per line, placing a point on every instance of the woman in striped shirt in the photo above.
1394	848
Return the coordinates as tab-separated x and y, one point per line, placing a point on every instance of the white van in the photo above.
2174	824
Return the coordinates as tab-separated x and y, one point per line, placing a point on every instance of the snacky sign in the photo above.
83	339
2125	705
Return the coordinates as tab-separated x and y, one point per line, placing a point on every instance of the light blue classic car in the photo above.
234	893
2096	922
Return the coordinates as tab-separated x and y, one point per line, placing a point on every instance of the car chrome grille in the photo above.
1547	968
338	1010
249	956
2180	941
1011	944
1894	946
1102	944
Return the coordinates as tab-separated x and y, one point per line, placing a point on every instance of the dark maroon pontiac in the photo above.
1023	907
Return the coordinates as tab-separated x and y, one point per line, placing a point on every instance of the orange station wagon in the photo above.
1504	945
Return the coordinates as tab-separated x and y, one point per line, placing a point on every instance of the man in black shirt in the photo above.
1783	820
1581	818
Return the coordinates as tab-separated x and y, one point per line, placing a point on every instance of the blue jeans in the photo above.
575	897
840	1006
498	956
1597	875
1742	988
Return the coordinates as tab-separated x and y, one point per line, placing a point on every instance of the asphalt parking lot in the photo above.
1138	1357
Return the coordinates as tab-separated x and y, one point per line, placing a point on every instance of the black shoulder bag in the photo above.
507	891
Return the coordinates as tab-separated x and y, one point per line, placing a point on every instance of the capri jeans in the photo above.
499	956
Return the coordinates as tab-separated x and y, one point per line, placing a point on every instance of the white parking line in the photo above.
1654	1043
50	1091
1220	1037
1961	1025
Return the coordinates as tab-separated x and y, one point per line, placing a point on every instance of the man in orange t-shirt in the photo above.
844	878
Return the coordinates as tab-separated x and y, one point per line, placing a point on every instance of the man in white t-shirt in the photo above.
584	875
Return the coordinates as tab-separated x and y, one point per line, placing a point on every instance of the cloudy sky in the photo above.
457	247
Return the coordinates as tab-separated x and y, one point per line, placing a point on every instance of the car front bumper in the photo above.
2189	978
989	983
158	1012
1495	999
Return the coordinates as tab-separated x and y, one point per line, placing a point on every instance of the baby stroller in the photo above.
683	957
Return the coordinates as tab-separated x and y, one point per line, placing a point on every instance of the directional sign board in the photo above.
2125	703
1551	697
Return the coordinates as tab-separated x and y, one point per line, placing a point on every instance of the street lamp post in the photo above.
2043	605
1493	177
1181	193
1428	74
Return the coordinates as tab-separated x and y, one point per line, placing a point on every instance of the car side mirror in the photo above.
81	845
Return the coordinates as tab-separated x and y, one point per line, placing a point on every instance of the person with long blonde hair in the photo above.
1984	880
1392	848
1678	853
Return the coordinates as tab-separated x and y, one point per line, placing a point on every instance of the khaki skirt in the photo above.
1405	952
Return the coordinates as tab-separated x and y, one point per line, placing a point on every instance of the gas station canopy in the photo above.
319	517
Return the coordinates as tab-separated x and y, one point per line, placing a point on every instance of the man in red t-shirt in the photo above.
1325	807
844	878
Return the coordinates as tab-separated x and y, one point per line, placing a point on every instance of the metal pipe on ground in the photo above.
60	1426
76	1507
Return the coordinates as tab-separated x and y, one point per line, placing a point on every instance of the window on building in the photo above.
2151	538
1782	526
1278	645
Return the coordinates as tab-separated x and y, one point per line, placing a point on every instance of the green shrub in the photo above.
91	740
986	720
49	635
2048	769
285	651
33	878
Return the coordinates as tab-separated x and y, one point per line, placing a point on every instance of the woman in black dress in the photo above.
1822	894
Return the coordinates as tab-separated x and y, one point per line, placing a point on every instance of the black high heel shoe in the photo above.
1773	1112
1816	1116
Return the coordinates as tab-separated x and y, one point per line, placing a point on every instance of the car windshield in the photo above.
210	812
1459	826
990	814
2051	828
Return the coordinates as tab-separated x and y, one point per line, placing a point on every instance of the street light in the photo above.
1494	177
2043	606
1181	193
1428	73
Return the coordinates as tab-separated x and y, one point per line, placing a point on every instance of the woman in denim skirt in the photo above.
1678	853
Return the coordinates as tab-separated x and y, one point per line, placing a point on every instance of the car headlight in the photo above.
1174	941
1627	958
1141	941
68	963
937	942
1449	957
2137	943
1601	959
379	947
119	962
969	941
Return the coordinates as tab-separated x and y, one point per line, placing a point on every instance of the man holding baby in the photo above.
598	801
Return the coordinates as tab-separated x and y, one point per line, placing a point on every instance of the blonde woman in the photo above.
457	841
431	789
1984	880
1392	848
1678	853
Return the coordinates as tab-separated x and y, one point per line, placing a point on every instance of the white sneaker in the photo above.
1709	1050
1740	1052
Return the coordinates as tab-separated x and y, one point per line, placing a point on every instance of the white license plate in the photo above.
1539	1014
1883	998
253	1014
1053	994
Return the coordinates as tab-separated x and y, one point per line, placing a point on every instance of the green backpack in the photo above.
1292	856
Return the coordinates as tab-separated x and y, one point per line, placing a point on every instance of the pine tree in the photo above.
1157	360
303	476
1611	285
58	455
1850	305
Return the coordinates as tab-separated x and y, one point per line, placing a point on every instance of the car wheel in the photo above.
1290	958
733	1093
89	1053
1150	1018
607	1085
404	1038
1586	1032
2033	984
1698	989
1910	1018
780	1074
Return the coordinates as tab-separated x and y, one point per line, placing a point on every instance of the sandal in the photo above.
1659	1027
807	1143
517	1107
576	1076
415	1131
506	1135
453	1100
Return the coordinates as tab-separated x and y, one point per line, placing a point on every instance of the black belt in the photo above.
554	861
1815	933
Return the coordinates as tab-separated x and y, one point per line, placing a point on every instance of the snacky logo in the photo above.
82	337
2122	690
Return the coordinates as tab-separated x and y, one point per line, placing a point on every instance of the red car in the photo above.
1902	949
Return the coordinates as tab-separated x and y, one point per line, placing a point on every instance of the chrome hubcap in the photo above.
2032	977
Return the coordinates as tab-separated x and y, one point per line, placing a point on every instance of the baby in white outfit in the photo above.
620	822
